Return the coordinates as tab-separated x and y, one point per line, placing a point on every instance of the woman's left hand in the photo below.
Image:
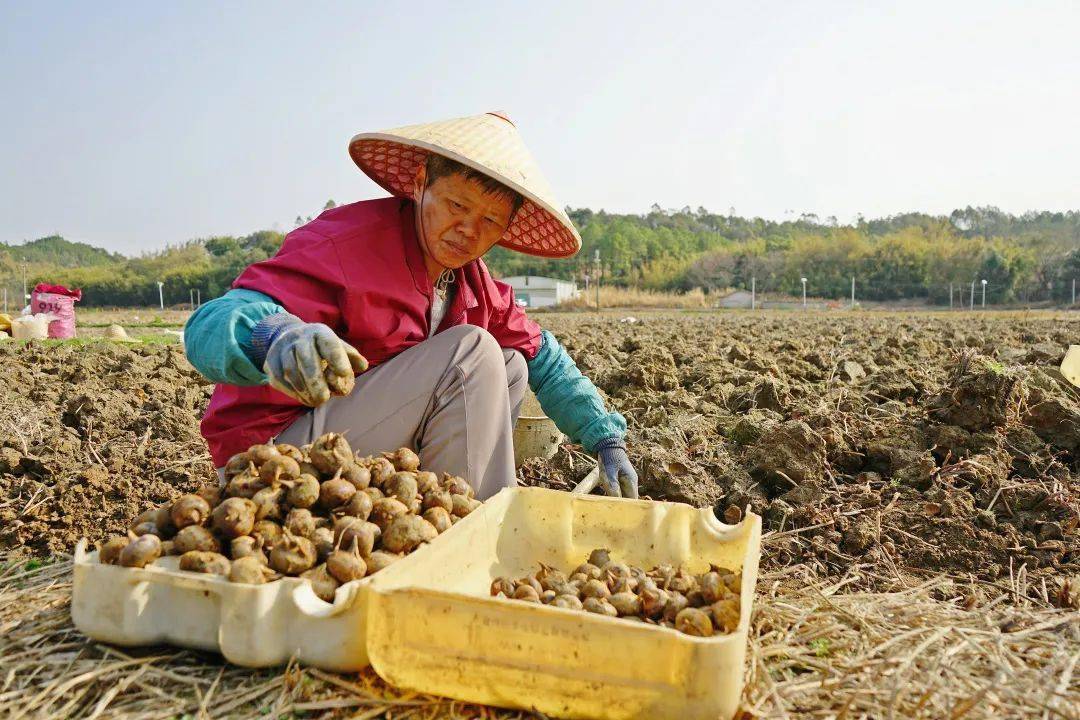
620	478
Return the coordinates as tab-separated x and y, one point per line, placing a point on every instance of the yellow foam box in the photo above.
428	622
433	626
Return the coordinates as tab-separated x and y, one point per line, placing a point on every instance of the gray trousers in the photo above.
454	399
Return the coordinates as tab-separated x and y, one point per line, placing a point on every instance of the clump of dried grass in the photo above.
818	651
815	651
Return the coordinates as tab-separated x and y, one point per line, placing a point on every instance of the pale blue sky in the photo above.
135	124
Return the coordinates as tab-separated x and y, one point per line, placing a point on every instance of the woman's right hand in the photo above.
300	357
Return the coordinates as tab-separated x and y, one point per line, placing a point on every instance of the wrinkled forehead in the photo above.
474	191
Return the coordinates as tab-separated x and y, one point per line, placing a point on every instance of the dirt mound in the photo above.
92	435
903	445
982	394
915	444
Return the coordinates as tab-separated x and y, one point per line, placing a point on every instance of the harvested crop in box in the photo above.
291	451
247	546
359	506
300	521
268	503
316	512
245	483
279	468
141	551
268	531
250	570
109	554
304	492
346	565
359	476
401	485
211	493
439	519
699	605
408	532
204	562
426	481
385	510
189	510
322	582
380	559
323	538
260	454
234	517
404	459
330	452
335	493
694	621
293	554
462	505
438	498
195	537
381	470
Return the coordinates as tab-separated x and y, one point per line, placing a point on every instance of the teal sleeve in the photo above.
569	398
217	337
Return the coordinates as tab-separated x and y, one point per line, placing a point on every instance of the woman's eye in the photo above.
493	221
456	205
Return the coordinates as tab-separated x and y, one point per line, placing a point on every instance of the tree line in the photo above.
1030	257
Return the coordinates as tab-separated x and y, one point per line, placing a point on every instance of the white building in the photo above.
537	291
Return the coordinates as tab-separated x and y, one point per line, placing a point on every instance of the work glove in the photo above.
618	475
299	356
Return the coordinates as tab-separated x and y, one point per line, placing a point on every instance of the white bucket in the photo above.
535	437
32	327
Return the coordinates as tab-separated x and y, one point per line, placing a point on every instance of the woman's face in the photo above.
459	220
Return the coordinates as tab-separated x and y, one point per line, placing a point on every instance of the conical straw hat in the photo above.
488	143
119	334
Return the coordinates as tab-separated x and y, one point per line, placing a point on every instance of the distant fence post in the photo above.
852	292
950	296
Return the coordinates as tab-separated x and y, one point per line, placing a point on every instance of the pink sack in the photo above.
61	305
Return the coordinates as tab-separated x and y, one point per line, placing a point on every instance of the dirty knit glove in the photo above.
620	478
298	355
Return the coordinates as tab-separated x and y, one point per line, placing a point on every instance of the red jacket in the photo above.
359	269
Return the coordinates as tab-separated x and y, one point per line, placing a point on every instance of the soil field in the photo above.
906	467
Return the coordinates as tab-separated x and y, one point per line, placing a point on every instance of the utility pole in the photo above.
161	293
803	293
971	303
984	294
198	297
191	298
852	292
753	292
596	260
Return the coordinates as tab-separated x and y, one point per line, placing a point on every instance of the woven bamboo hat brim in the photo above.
488	143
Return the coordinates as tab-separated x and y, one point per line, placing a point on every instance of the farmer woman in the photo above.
399	281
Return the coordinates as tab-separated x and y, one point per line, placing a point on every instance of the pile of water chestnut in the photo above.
319	512
701	605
